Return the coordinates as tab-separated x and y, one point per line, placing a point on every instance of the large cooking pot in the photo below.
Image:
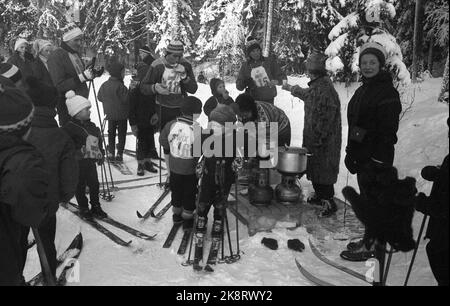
292	160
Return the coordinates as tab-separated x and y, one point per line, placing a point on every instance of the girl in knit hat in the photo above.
42	49
88	145
321	132
220	95
23	183
21	58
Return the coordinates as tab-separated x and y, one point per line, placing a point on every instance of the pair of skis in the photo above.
95	224
151	211
67	258
121	167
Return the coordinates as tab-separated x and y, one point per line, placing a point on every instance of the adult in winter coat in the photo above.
321	133
437	207
169	79
42	49
220	95
23	183
58	151
259	75
67	69
373	120
22	59
114	96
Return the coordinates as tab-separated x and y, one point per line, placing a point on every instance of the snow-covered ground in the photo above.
423	140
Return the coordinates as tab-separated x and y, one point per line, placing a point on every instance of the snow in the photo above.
423	140
348	22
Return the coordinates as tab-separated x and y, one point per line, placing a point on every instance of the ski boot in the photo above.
110	156
329	207
216	235
314	200
359	255
140	169
119	157
199	237
97	212
149	167
177	219
85	212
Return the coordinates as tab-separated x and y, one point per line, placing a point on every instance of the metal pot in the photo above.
292	160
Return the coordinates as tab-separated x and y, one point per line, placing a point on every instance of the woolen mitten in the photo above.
270	243
296	245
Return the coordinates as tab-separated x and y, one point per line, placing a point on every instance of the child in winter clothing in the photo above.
114	96
24	183
177	138
219	96
88	144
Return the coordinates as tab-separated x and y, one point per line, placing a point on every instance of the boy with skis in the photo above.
114	96
177	139
88	144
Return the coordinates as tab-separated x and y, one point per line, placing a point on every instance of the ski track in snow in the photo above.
423	140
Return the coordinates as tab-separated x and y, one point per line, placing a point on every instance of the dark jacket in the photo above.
41	72
114	96
79	131
215	100
23	201
161	72
65	77
373	119
258	87
25	66
58	151
322	132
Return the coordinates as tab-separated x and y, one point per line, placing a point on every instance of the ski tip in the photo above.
208	268
139	215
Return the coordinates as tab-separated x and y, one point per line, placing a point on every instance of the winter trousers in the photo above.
145	142
87	177
166	114
119	126
184	191
438	257
324	192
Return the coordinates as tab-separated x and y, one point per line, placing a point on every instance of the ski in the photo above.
121	167
319	255
215	244
199	238
123	227
161	212
133	154
312	278
184	241
72	252
153	207
173	232
97	226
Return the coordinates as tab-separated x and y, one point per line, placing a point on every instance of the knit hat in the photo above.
19	42
251	44
16	110
191	105
76	104
214	83
40	93
222	114
10	72
175	47
115	69
145	49
71	31
40	44
376	49
316	62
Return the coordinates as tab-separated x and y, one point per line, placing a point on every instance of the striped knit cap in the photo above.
175	47
10	72
16	110
71	31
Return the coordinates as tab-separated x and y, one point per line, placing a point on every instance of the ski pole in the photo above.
188	262
422	226
48	274
388	264
228	234
168	170
236	216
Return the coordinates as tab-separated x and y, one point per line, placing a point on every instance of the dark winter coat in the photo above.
65	77
215	100
58	151
161	72
23	201
41	72
142	67
322	132
373	110
79	131
114	96
260	88
25	66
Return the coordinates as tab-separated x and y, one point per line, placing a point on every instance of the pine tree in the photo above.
443	96
368	22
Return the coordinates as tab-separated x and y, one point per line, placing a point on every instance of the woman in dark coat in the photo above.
373	120
322	132
22	59
42	49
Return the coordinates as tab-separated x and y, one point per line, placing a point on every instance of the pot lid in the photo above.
294	150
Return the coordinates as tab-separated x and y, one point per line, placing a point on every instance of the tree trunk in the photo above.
416	40
430	55
443	96
268	29
265	25
148	21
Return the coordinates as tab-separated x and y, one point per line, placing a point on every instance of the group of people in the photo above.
43	165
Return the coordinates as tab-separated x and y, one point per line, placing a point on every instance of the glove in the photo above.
134	130
250	83
296	245
86	75
97	72
286	87
154	120
101	161
423	203
274	82
270	243
161	89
